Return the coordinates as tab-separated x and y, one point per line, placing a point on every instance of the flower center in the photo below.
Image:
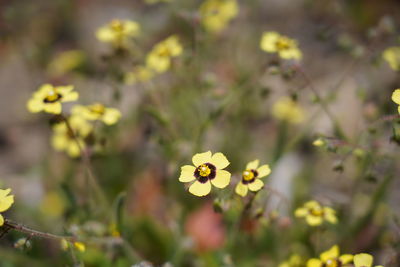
283	43
97	108
52	96
332	263
117	26
316	211
204	170
248	175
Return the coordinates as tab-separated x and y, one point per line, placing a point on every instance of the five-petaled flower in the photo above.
6	201
48	98
216	14
316	214
207	170
287	48
396	98
392	57
97	111
364	260
330	258
251	178
118	32
159	58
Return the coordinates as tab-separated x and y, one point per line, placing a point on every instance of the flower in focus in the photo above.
273	42
118	32
48	98
364	260
6	201
97	111
396	98
288	110
316	214
65	62
330	258
251	178
216	14
392	57
71	139
207	170
294	261
159	58
138	74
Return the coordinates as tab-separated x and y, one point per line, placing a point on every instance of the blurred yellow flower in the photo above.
118	32
6	201
396	98
319	142
288	110
71	140
273	42
159	58
330	258
53	204
216	14
294	261
207	170
97	111
316	214
48	98
138	74
78	245
392	57
251	178
364	260
66	62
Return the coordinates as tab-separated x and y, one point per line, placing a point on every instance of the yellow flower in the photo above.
216	14
396	98
139	74
66	62
159	58
251	178
316	214
71	140
273	42
5	202
48	98
364	260
97	111
288	110
392	57
78	245
319	142
207	170
118	32
330	258
294	261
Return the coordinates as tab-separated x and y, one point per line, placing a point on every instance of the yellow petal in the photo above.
301	212
256	185
312	204
71	96
54	108
241	189
74	150
111	116
201	158
221	179
331	253
263	171
268	41
252	165
313	220
4	192
80	246
363	260
396	96
330	216
34	105
1	220
219	160
6	202
200	189
346	258
187	174
314	263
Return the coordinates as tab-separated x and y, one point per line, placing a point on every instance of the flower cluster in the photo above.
315	214
6	201
216	14
286	48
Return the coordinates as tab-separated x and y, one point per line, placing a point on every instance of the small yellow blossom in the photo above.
118	32
6	201
207	170
251	178
330	258
273	42
294	261
159	58
66	62
216	14
288	110
48	98
364	260
138	74
71	139
396	98
97	111
392	57
316	214
319	142
78	245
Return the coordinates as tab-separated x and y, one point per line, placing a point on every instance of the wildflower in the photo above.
159	58
48	98
315	214
251	178
139	74
330	258
78	245
118	32
294	261
97	111
392	57
288	110
216	14
207	170
66	62
396	98
71	139
364	260
5	202
273	42
319	142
